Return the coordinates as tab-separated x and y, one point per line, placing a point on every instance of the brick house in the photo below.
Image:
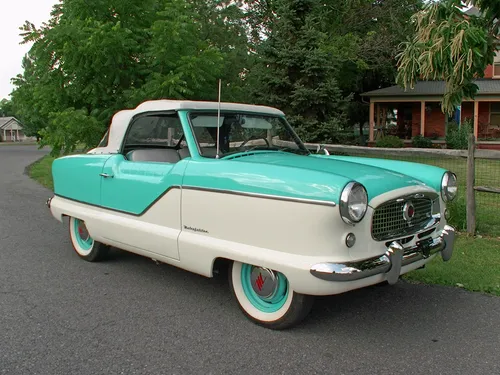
418	111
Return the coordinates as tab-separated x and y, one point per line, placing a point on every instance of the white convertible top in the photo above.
121	119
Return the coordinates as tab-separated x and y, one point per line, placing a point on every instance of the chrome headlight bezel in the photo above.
346	202
447	193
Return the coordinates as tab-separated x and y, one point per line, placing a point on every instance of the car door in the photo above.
141	186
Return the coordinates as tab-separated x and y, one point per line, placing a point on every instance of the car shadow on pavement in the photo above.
376	310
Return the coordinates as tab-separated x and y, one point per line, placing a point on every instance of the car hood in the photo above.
377	180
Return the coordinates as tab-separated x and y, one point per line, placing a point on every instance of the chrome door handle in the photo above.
105	175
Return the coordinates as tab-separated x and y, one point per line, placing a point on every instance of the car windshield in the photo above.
244	132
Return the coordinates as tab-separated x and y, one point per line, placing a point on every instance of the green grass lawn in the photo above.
41	171
475	266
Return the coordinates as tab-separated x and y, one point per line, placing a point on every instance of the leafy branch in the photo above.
452	46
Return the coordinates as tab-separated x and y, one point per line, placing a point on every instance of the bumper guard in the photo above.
389	263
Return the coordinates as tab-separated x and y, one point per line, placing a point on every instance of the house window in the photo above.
496	69
495	114
496	65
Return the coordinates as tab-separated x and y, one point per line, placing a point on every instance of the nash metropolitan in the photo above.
199	184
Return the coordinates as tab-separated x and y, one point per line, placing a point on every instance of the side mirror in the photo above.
322	150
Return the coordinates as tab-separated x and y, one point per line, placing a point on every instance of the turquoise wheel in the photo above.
265	296
83	244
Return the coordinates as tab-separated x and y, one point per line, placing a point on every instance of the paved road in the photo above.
61	315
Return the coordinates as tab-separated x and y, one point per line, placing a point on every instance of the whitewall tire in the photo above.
83	244
265	296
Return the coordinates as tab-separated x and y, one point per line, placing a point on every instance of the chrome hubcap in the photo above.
82	231
264	282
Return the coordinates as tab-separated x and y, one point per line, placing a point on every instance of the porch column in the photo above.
422	118
476	118
4	135
372	119
17	134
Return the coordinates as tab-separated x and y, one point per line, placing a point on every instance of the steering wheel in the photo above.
252	138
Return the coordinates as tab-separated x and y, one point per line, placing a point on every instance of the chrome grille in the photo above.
389	219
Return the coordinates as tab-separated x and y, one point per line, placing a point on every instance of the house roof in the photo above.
433	88
4	121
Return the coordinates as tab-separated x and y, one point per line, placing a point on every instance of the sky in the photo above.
13	14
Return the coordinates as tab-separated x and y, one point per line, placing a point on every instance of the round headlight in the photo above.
449	186
353	203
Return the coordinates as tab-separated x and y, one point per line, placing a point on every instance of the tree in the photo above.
296	71
6	108
95	57
361	37
365	35
451	46
355	40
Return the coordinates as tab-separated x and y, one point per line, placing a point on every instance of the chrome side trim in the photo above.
390	262
260	195
276	197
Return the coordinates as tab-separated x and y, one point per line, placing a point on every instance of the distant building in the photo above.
11	130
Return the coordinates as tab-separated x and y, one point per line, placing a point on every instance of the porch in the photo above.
11	135
406	114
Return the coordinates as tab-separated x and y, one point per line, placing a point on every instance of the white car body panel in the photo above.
191	228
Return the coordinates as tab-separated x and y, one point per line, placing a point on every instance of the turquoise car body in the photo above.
137	185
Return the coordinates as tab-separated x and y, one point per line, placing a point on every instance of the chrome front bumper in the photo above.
391	262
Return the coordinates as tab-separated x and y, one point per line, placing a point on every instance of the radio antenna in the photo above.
218	120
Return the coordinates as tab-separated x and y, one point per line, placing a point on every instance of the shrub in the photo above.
390	141
458	213
457	137
421	142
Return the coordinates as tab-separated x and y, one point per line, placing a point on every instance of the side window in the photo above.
155	130
104	140
155	138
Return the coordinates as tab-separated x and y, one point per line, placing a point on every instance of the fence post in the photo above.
471	179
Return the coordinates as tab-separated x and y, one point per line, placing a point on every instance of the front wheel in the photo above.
83	244
265	296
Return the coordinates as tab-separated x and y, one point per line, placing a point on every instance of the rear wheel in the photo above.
265	296
83	244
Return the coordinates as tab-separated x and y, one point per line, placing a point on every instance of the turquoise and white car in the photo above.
203	185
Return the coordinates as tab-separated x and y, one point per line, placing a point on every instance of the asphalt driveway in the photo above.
61	315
